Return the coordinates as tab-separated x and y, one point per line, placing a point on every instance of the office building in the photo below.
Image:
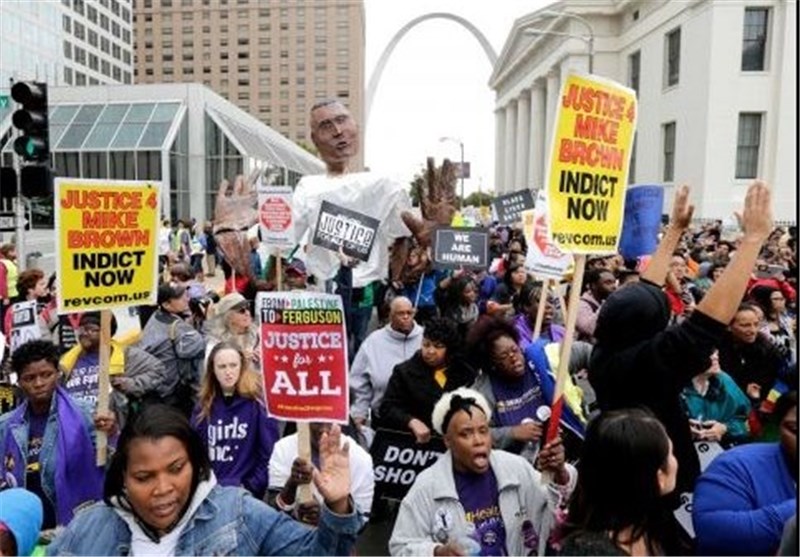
715	80
66	42
272	58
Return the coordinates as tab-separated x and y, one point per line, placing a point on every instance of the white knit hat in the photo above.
444	410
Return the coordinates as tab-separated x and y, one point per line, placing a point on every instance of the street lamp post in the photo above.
588	39
461	167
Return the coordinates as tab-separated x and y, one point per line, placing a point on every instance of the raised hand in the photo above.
756	218
682	210
234	213
333	478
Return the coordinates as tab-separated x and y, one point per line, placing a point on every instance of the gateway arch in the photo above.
374	80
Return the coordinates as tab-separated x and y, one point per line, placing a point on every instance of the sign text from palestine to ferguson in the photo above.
304	355
588	167
106	254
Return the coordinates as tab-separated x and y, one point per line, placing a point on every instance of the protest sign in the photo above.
304	355
398	459
641	222
509	207
588	167
106	252
275	215
24	324
454	248
345	229
543	259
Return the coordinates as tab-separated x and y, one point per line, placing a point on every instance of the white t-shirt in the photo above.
376	196
362	480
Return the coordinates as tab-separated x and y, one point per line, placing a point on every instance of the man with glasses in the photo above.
177	345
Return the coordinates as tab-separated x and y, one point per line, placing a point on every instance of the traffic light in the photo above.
36	181
33	143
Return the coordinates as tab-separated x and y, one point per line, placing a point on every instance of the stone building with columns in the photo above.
716	82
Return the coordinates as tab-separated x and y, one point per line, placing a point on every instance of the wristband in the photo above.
283	506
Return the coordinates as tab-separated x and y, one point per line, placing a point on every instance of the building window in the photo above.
68	76
634	67
748	145
67	50
669	151
67	23
754	39
673	57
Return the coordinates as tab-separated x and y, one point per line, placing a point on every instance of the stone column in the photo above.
553	86
523	140
499	148
509	179
537	142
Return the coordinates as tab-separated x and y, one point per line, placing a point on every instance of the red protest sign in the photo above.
276	214
304	355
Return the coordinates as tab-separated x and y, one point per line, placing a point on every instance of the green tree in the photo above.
479	199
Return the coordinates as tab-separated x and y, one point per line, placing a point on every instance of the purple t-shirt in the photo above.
516	400
239	437
33	473
82	382
479	497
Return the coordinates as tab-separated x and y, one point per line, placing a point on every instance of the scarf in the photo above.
78	479
116	361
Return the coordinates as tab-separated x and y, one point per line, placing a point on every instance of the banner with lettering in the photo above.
589	159
275	215
454	248
106	243
509	207
397	459
304	355
342	228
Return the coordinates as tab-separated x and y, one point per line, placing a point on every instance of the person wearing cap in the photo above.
176	344
134	373
233	322
294	275
20	521
473	493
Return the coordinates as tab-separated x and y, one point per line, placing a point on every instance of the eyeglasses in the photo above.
507	355
242	309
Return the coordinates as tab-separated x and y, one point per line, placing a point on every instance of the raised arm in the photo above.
682	211
725	295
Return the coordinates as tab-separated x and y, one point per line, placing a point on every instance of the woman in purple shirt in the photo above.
232	421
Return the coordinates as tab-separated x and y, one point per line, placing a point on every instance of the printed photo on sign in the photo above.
275	215
454	248
509	207
587	172
304	355
543	259
339	227
106	247
24	324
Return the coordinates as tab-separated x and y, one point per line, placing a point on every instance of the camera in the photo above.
199	306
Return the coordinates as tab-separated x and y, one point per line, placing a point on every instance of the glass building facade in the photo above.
184	136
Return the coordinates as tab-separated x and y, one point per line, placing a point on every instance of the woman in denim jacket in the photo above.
161	498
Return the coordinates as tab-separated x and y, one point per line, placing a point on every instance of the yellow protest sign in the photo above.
589	159
106	245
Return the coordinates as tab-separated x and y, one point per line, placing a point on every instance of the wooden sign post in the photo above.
103	382
537	329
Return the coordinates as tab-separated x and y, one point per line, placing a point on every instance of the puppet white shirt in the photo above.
365	192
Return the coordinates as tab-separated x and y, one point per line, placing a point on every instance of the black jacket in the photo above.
639	362
412	391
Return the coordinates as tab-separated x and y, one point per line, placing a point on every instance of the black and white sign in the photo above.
398	459
338	227
24	325
508	207
461	247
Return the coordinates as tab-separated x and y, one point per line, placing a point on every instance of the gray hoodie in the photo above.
374	363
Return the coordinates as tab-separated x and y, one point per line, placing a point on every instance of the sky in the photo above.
435	85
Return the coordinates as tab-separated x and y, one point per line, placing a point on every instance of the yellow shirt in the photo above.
440	375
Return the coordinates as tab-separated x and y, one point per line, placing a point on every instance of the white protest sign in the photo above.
543	259
275	215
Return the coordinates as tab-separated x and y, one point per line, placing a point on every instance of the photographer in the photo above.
200	298
170	337
233	322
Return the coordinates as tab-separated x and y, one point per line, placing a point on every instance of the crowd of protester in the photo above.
685	353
